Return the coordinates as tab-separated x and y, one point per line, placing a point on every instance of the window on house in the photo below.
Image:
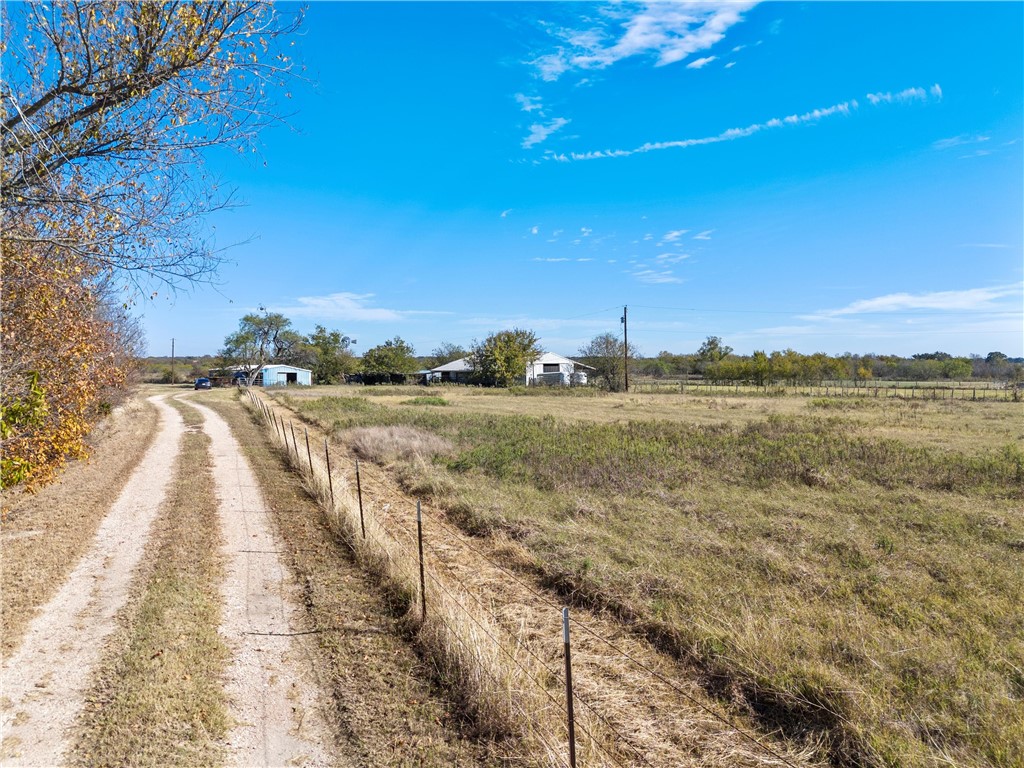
551	367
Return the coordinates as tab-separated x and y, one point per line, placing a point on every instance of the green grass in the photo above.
426	400
857	589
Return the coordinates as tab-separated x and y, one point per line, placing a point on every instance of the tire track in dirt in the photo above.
44	681
271	684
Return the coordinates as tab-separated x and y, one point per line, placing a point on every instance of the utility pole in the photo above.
172	361
625	347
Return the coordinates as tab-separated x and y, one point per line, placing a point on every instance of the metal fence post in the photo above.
568	688
359	495
330	480
423	581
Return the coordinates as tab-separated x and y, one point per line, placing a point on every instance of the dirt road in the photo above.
273	698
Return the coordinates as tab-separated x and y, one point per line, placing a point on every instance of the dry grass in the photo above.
158	698
385	711
484	667
387	444
854	578
45	534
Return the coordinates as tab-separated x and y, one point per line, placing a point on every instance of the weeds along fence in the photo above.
894	390
507	687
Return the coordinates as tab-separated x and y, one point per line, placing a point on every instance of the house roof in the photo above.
461	365
275	366
551	358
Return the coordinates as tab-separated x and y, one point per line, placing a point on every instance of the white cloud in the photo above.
348	306
908	94
845	108
667	32
701	62
506	212
730	65
705	235
648	236
552	260
656	276
969	299
586	231
587	259
738	48
959	141
534	230
671	258
673	235
539	131
936	91
530	103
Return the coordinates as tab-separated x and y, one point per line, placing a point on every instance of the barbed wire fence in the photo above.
507	686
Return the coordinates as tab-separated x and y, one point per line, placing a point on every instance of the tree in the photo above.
605	353
260	339
446	352
711	351
393	356
107	109
329	355
64	350
500	360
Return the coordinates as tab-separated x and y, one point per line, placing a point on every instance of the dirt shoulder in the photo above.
45	534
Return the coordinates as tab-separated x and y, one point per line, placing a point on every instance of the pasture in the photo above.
848	571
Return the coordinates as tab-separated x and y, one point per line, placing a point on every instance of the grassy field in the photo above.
847	570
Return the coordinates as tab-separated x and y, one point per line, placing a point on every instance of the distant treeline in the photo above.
792	367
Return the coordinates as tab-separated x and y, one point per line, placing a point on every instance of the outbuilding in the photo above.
275	375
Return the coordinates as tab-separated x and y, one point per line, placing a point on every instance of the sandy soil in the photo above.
271	681
44	681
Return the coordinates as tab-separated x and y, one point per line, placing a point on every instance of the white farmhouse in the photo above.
550	368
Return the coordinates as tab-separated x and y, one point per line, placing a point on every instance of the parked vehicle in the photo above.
203	383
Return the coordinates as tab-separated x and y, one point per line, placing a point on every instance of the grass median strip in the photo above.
158	697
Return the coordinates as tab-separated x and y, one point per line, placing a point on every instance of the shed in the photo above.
276	375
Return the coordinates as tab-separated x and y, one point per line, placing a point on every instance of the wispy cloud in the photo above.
671	258
969	299
666	32
959	141
984	245
506	212
348	306
672	236
908	94
529	103
845	108
705	235
730	65
534	230
585	231
553	260
656	276
540	131
701	62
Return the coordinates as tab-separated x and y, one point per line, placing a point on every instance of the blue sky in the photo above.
822	176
